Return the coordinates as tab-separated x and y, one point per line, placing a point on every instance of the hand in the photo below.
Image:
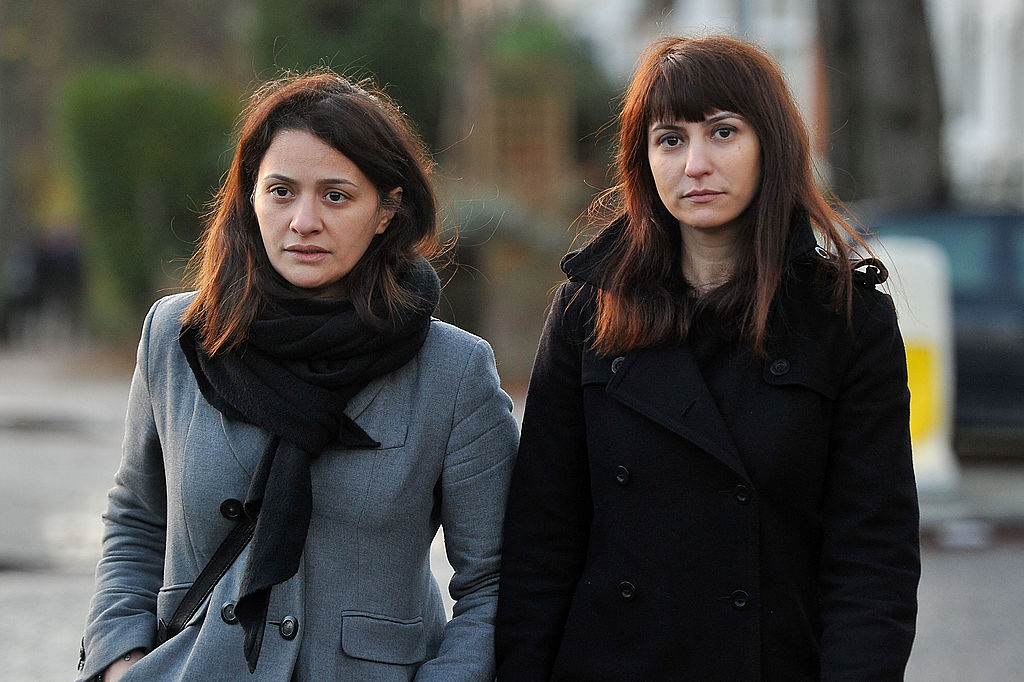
116	670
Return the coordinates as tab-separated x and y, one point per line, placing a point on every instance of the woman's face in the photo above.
316	210
706	172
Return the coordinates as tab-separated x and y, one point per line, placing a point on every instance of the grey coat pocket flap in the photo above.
168	598
373	637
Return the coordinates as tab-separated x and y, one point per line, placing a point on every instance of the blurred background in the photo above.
117	116
116	123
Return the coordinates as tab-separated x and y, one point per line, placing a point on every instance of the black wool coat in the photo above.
656	531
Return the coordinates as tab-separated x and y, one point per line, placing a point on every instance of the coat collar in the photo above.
663	382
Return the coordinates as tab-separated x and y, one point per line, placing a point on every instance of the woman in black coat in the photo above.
714	480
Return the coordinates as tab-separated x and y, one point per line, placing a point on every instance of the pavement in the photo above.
61	423
986	506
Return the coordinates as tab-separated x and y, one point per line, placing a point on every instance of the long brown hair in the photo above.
641	299
231	270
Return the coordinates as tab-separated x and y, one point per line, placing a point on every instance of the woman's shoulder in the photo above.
169	309
451	355
162	325
446	341
819	275
574	306
808	297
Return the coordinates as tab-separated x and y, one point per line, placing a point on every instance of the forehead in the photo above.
299	146
300	155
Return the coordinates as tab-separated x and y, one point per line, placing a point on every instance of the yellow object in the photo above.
922	377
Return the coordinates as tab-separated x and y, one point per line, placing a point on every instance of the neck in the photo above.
708	258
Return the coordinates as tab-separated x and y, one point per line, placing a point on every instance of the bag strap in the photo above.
214	570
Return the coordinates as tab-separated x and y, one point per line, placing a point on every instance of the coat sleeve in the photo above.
870	561
473	487
549	509
122	613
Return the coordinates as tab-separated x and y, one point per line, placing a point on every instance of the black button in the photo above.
621	475
627	590
231	508
740	600
227	613
616	363
289	627
779	367
742	494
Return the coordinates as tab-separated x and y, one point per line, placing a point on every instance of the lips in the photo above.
701	196
306	253
305	249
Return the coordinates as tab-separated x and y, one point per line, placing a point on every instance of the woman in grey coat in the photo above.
303	395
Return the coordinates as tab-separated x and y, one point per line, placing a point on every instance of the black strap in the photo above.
214	570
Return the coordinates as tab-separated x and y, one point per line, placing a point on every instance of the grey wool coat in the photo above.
364	604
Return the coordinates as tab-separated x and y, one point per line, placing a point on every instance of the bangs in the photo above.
690	90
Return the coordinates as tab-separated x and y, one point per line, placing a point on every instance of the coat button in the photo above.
779	367
742	494
231	509
616	363
627	590
621	475
289	627
227	613
740	600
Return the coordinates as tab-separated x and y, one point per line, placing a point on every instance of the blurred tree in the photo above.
400	43
147	150
43	41
525	103
884	107
532	39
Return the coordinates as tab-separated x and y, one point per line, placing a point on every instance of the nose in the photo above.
306	220
698	161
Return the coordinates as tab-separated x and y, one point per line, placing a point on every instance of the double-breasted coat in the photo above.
364	604
752	518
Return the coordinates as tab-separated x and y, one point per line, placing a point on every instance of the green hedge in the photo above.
147	151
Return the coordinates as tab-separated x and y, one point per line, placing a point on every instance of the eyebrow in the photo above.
661	125
324	181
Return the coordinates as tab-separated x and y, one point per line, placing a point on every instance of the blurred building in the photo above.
980	49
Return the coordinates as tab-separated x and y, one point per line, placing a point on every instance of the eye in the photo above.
280	192
723	132
670	140
335	197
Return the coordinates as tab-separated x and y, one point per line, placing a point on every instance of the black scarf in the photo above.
302	361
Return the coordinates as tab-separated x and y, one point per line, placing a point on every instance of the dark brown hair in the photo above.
231	270
640	301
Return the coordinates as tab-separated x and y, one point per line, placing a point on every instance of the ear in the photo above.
388	209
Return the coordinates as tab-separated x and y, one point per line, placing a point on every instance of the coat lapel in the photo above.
665	385
388	421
